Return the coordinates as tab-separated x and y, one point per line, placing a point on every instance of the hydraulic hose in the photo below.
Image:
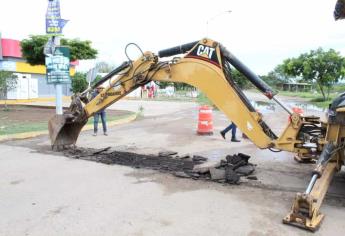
251	76
118	69
176	50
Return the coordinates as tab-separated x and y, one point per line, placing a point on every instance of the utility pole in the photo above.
58	86
57	57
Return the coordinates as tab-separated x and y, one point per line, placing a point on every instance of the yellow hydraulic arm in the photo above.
205	65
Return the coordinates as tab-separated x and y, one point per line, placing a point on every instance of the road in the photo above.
45	193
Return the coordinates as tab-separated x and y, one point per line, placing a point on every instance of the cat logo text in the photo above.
205	51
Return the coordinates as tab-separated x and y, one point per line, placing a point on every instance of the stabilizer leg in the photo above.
305	209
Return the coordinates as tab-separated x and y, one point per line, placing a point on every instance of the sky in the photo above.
261	33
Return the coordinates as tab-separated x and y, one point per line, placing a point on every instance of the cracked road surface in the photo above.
46	193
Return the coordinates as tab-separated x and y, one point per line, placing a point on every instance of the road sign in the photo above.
54	23
58	66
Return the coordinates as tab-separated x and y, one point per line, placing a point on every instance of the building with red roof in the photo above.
31	79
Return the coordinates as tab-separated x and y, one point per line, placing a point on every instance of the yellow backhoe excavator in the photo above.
205	64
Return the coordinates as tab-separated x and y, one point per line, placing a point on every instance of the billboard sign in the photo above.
58	66
54	23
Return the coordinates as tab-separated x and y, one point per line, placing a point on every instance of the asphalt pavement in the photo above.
46	193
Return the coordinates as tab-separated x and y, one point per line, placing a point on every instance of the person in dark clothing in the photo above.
101	114
233	129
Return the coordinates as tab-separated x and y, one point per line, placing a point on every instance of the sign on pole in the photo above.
57	57
58	66
54	23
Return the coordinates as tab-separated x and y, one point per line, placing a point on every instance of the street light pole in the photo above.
56	63
214	17
58	86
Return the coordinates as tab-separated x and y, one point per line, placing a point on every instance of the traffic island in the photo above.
22	122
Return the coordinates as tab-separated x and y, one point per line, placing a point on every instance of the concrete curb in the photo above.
33	100
23	101
33	134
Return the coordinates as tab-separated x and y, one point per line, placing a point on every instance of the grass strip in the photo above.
9	127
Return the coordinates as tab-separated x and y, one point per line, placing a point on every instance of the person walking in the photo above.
233	129
98	114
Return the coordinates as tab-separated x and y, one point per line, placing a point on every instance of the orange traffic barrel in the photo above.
205	123
298	110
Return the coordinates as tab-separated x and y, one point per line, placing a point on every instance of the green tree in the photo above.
164	84
8	81
240	79
325	68
98	78
80	50
32	49
276	77
182	86
79	83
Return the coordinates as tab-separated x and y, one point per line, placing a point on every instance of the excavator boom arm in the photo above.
213	82
205	65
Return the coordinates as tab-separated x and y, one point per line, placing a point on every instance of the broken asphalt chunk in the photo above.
197	158
252	177
244	157
101	150
217	174
245	170
230	176
181	174
166	153
185	156
205	167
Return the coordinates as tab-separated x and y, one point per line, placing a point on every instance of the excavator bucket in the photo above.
63	131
